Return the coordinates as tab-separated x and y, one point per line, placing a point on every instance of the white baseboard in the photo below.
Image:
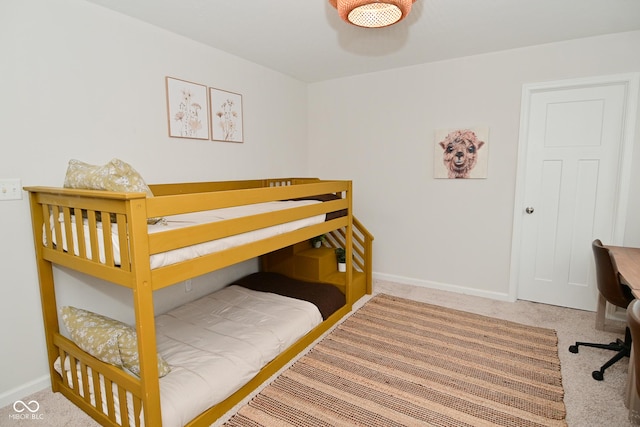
615	313
11	396
442	287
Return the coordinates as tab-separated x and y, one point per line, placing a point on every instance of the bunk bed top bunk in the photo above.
70	229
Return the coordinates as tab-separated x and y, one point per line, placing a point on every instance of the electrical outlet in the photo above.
10	189
188	286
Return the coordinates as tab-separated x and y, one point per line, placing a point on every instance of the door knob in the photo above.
529	210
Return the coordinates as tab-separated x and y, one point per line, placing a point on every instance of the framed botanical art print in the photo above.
187	109
226	116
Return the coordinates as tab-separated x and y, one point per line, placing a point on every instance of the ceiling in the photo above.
306	39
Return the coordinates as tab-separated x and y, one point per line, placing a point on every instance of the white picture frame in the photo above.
461	153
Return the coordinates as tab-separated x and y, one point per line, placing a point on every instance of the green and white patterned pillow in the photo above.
114	176
106	339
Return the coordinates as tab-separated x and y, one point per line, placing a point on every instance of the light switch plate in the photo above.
10	189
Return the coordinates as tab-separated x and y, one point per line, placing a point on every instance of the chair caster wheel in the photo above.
597	375
573	348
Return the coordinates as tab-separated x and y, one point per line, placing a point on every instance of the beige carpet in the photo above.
398	362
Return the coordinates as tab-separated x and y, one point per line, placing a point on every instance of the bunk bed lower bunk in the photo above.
212	346
122	249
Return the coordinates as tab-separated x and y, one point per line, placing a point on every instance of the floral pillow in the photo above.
114	176
106	339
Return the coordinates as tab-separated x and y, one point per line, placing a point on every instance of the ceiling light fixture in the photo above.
372	13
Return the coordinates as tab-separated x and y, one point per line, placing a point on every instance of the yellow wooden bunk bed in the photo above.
127	259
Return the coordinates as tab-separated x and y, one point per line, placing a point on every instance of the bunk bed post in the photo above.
47	290
144	314
349	248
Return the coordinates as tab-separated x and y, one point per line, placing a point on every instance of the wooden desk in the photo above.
628	262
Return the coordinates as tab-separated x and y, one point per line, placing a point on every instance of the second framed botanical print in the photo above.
226	116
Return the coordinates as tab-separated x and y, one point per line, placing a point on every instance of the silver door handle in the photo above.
529	210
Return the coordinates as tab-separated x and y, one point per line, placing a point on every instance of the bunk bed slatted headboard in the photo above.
98	385
76	228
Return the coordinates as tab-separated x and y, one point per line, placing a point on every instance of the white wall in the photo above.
378	130
80	81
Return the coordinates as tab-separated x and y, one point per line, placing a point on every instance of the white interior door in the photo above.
575	141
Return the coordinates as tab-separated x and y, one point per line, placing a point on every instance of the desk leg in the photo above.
601	312
632	401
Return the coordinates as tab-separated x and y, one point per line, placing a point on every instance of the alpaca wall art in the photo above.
461	153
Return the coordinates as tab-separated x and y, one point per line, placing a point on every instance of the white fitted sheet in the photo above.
219	342
185	220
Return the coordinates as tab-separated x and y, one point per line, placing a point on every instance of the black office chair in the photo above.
615	293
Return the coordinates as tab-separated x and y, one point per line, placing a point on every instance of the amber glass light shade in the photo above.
372	13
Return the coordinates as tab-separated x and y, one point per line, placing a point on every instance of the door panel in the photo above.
583	220
571	124
546	229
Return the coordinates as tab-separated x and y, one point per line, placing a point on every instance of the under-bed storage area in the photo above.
71	230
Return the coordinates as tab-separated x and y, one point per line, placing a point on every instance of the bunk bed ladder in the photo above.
362	249
302	261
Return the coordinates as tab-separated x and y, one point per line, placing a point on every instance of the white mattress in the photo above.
217	343
180	221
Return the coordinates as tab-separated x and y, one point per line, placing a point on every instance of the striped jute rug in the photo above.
397	362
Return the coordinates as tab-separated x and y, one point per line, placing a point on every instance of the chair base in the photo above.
622	349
